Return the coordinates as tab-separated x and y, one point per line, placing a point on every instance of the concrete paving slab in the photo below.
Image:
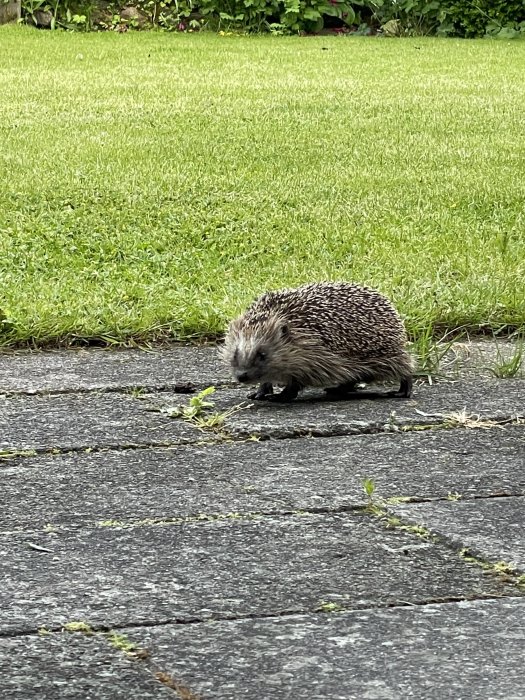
313	414
65	665
492	529
109	576
267	476
75	421
95	368
457	651
80	420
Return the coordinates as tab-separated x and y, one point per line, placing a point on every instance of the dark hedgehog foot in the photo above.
289	393
340	391
404	391
263	393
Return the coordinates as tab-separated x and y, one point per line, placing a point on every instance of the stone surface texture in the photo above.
370	548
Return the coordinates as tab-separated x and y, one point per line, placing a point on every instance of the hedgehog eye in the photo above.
260	355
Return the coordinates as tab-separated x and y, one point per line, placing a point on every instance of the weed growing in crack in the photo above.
328	607
508	367
378	507
198	413
396	500
123	643
504	570
78	626
195	408
375	505
369	488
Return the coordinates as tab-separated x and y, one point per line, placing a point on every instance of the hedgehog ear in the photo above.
285	331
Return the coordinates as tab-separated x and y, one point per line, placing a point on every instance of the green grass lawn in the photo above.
153	184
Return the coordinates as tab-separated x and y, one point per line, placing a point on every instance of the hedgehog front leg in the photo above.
405	389
263	392
289	393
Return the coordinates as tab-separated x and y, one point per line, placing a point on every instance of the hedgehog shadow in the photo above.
315	397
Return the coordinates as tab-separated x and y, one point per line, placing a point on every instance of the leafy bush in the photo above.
465	18
502	18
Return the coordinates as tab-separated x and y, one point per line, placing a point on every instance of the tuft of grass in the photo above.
508	366
153	184
431	351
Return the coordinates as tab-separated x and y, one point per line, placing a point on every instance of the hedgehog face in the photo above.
250	363
253	352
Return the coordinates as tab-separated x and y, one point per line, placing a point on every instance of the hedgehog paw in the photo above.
263	393
404	391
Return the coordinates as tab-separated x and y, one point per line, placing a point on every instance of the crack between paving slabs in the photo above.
514	576
130	650
277	614
200	517
177	388
292	434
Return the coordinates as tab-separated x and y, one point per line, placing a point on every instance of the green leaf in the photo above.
311	14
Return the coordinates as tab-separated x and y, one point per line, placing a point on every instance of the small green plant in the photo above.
503	567
506	367
418	530
196	407
375	505
369	488
397	500
328	607
121	642
197	412
78	626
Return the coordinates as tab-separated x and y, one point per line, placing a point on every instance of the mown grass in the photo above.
151	184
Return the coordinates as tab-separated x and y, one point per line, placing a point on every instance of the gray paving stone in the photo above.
457	651
74	370
493	528
74	666
98	419
109	576
313	414
74	421
479	357
267	476
95	368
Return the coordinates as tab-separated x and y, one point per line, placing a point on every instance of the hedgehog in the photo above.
331	335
